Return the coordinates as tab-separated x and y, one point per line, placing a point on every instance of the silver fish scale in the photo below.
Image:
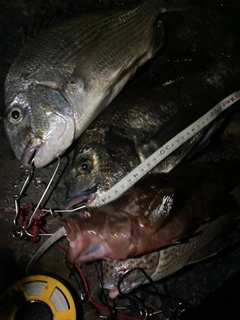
61	44
176	257
72	72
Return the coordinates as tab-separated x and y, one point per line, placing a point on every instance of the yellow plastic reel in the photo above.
39	288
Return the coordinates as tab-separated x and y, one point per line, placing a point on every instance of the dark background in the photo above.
191	40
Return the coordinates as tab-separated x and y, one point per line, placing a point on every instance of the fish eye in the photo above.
85	166
15	115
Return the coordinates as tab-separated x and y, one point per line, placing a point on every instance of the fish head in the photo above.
38	122
97	165
121	277
120	229
94	235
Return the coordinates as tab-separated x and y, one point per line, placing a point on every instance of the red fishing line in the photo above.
84	280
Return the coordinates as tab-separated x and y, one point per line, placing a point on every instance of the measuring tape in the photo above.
36	297
141	170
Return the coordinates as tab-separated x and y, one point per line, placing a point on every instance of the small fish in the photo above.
208	240
140	120
65	77
158	211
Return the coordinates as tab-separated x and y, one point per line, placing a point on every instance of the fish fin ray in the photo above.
160	207
158	37
212	249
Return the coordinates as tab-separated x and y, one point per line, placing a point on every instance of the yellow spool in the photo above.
47	292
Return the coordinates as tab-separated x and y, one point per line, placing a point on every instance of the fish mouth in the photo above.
82	197
30	152
81	248
44	152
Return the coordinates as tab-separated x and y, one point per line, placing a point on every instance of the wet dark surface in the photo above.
191	285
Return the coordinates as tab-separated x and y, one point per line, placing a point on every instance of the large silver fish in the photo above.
65	77
140	120
154	213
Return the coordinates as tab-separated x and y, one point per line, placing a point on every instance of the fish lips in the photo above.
43	152
53	144
30	152
82	197
81	248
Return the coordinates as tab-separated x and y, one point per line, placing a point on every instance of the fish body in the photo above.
155	213
210	238
139	121
65	77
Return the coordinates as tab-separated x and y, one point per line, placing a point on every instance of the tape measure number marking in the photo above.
159	155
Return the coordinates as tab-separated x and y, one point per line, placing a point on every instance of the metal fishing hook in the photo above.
43	195
69	210
24	187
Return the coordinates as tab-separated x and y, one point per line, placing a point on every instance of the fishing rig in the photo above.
31	294
30	219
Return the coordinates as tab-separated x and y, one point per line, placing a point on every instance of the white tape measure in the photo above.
141	170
